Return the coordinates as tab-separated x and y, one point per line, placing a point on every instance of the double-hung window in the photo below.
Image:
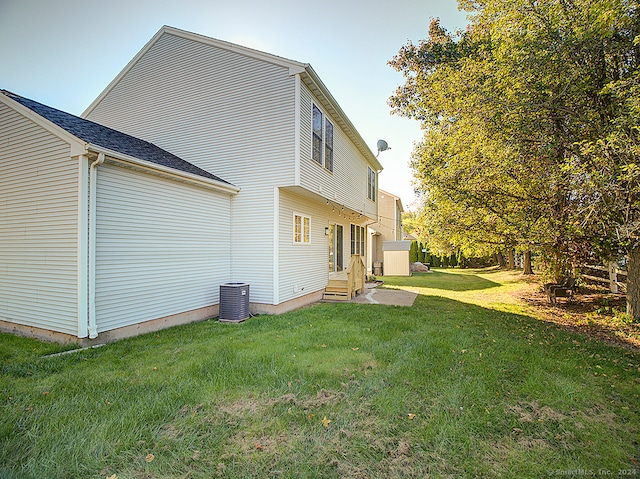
301	229
322	139
371	184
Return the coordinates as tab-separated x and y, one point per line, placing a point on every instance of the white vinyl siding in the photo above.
162	247
38	226
226	112
305	270
347	185
302	270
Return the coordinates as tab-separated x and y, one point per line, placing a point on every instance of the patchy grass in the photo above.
466	383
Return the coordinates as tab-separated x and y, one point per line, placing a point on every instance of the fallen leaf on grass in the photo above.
355	349
112	477
325	422
411	416
149	458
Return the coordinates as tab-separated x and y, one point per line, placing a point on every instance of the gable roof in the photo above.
110	139
306	72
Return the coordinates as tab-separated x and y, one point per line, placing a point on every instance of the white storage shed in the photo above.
396	258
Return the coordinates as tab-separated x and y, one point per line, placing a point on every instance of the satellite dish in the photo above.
383	145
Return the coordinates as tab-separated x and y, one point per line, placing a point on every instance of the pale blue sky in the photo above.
64	52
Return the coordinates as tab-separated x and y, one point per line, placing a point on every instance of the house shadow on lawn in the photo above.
440	279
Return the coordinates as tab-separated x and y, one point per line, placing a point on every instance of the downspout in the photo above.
93	177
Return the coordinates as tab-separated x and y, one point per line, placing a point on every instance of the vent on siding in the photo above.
234	302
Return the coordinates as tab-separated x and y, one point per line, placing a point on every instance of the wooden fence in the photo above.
612	275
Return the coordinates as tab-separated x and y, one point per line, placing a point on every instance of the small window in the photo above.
328	145
317	134
301	229
371	184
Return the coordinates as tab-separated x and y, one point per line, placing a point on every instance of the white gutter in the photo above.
164	170
93	177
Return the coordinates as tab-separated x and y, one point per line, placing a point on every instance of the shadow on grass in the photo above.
439	279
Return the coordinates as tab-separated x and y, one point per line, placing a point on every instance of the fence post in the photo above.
613	277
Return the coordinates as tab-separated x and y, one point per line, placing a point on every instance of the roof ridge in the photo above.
234	46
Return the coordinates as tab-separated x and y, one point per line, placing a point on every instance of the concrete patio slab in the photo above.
393	297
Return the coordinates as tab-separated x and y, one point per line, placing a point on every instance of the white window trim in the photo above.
302	235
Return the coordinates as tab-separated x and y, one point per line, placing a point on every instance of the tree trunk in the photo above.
511	259
633	283
501	261
527	263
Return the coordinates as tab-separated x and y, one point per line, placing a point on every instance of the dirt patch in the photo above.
323	398
242	407
591	312
532	412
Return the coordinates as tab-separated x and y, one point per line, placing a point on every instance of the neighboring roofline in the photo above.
307	73
81	147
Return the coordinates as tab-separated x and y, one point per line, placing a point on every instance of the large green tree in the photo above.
530	120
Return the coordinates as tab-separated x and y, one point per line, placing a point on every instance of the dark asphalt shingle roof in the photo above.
111	139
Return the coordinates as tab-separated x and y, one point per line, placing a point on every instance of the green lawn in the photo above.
463	384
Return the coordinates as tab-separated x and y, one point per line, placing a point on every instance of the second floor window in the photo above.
371	184
328	145
322	133
317	134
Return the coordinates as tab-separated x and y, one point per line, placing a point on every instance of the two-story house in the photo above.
301	186
387	228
